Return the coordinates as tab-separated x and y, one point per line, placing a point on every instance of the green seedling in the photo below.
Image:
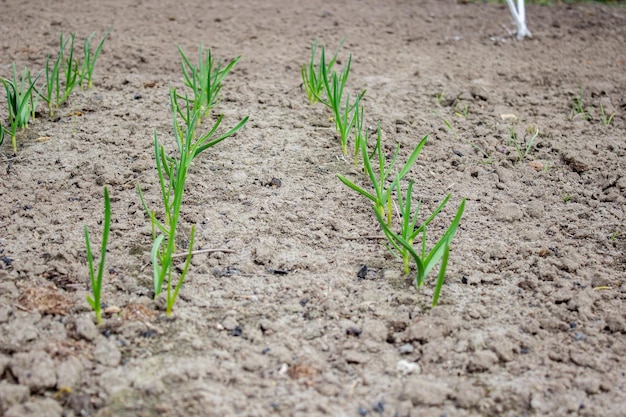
486	158
96	280
344	115
70	69
409	227
1	133
172	172
577	106
566	197
20	101
358	132
64	65
424	261
521	150
312	78
605	121
439	98
52	94
382	205
34	97
204	79
382	198
447	124
461	111
89	60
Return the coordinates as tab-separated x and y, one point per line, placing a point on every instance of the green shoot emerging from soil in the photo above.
447	124
461	110
204	79
402	243
605	121
521	149
577	106
382	199
172	172
358	132
89	60
57	92
344	114
20	101
67	71
96	280
486	159
312	78
439	97
52	84
70	68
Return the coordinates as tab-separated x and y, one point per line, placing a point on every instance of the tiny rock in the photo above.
229	323
112	310
406	348
536	165
407	368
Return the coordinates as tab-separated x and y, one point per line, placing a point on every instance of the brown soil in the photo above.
532	319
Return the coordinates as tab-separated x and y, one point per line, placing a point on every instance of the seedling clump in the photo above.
67	71
385	179
89	60
172	170
388	193
204	79
61	77
312	77
327	86
522	149
344	114
21	102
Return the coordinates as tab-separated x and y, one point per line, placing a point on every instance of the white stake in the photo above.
519	15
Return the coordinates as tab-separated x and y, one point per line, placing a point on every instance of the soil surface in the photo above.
532	318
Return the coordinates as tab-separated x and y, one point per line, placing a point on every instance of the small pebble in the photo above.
237	331
112	310
362	272
379	407
229	323
536	165
406	348
406	368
